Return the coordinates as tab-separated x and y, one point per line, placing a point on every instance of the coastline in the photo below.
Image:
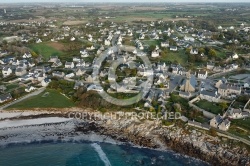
148	134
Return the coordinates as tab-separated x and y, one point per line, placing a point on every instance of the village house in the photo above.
155	54
30	88
237	113
228	89
224	125
202	74
173	48
220	123
90	48
216	121
69	65
107	42
72	38
84	53
80	71
38	41
194	51
45	82
89	79
211	96
5	97
6	71
70	75
27	55
53	59
20	71
57	63
165	44
58	74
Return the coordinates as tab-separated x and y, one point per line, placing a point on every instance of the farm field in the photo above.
47	49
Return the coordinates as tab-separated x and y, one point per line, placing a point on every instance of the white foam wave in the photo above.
101	154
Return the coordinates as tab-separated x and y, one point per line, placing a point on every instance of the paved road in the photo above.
38	91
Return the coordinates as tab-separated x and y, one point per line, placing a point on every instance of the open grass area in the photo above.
240	127
178	57
47	99
210	107
45	50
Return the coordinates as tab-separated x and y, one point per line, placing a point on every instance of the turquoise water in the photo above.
86	153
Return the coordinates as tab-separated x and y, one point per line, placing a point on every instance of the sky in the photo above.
127	1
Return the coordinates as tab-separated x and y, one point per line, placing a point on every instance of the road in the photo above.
38	91
234	136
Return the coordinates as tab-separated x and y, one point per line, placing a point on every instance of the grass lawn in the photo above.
45	49
210	107
240	127
11	87
53	100
178	56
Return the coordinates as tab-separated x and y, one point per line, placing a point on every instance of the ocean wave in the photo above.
101	154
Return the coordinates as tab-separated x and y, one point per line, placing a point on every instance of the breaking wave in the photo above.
101	154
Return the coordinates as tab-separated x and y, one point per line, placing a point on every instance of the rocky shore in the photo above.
146	133
152	134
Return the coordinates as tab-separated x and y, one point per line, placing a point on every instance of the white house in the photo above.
30	88
194	51
38	41
173	48
27	55
142	36
165	44
90	48
72	38
84	53
155	54
202	74
107	42
71	75
6	71
69	65
45	82
235	56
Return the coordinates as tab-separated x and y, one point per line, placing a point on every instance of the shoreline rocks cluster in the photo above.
151	134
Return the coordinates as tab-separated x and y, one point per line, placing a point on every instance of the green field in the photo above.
53	100
210	107
178	57
45	50
240	127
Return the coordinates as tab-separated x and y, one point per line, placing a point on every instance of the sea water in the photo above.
89	153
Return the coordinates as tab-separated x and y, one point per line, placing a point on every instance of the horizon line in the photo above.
110	2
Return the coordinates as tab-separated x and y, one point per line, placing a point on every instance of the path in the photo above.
38	91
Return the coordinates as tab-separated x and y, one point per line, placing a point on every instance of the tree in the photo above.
187	51
191	58
212	53
34	55
152	48
201	50
223	105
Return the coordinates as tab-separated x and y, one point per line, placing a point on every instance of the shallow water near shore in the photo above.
88	153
